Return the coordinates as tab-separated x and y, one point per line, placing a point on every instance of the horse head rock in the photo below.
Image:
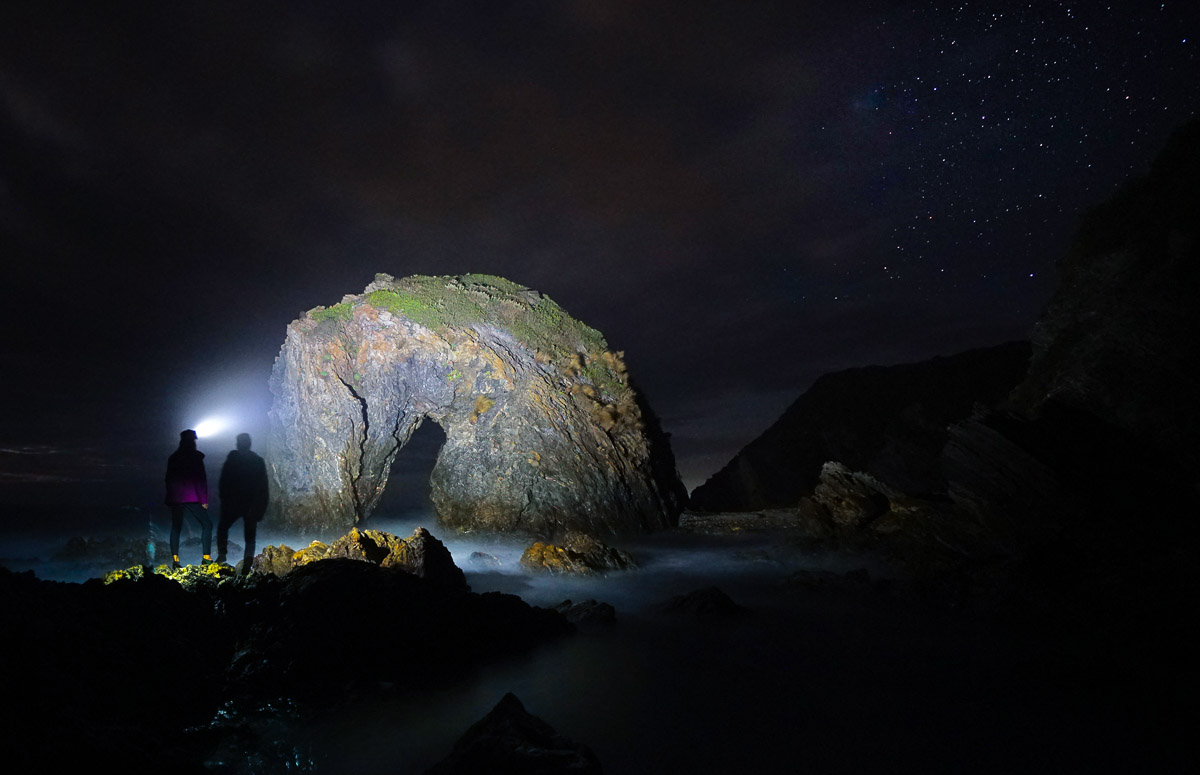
544	433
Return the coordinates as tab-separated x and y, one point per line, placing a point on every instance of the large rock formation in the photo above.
1118	341
887	421
544	433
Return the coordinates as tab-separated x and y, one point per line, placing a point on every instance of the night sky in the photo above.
742	196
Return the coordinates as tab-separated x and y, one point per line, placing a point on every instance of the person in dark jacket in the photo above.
187	493
243	491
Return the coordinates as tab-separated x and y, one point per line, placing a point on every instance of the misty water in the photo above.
835	678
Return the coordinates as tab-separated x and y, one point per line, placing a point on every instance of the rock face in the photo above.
420	554
511	740
889	422
854	499
544	433
1118	340
340	620
579	555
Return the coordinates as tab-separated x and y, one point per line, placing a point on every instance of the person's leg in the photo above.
201	515
251	535
176	526
229	515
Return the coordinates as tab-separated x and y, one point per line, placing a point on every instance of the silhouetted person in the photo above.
187	493
243	491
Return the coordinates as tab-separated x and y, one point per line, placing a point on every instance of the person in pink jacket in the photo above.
187	493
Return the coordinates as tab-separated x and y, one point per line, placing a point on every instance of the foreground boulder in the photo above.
544	433
343	625
579	555
420	554
273	560
710	603
511	741
163	659
854	499
588	612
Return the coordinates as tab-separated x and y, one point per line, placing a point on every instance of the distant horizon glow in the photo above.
210	426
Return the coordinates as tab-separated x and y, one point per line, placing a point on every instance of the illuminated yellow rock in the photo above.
544	433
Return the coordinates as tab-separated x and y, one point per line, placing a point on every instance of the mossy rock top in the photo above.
466	301
445	303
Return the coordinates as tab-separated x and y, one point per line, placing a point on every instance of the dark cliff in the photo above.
889	421
1119	339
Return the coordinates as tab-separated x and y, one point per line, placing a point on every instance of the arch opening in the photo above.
407	492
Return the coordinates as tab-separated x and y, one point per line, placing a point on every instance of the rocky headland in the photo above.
544	432
888	421
1068	484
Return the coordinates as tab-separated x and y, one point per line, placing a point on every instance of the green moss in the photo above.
493	281
134	573
485	299
530	318
604	378
189	575
454	376
340	312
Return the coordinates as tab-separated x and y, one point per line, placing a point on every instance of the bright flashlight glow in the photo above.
211	426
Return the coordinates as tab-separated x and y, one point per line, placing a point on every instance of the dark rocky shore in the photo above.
205	667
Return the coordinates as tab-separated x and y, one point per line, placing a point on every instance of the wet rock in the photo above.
852	498
339	626
311	553
132	573
707	603
191	577
580	555
420	554
484	561
222	649
588	612
544	433
423	555
509	740
274	560
207	576
371	546
94	661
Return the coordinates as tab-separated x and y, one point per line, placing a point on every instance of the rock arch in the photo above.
544	434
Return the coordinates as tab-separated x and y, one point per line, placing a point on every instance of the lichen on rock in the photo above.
419	555
311	553
190	577
274	560
544	432
579	555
